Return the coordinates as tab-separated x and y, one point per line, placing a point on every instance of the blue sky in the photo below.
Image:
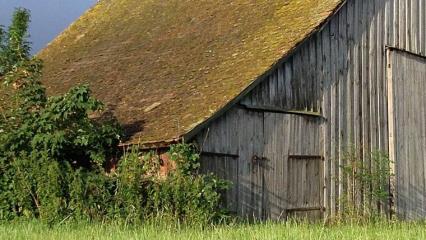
49	17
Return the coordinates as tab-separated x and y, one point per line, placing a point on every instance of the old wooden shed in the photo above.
273	91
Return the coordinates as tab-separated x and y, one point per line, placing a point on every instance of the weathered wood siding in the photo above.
340	73
407	79
269	172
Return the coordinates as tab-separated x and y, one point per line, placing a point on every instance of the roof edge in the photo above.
152	144
63	32
197	129
190	134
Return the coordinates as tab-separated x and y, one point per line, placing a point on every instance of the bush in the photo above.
53	153
54	191
183	195
368	177
186	195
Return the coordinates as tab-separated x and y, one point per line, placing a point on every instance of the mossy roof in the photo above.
165	66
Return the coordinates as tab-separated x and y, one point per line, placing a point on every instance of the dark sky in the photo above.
49	17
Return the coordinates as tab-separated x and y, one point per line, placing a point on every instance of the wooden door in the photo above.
263	169
292	166
407	121
304	186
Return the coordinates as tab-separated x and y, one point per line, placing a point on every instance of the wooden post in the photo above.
391	125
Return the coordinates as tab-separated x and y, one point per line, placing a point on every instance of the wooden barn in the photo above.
273	92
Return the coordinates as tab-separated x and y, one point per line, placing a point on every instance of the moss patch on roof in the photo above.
163	67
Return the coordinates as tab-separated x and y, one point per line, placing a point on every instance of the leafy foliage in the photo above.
56	127
369	178
14	47
185	195
182	195
54	149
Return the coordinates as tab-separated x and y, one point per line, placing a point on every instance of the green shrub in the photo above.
184	195
367	184
53	151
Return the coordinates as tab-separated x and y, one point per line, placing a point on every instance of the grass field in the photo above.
256	231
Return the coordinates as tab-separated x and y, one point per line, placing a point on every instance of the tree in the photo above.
44	139
14	46
53	149
58	126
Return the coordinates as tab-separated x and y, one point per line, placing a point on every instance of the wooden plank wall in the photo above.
409	121
349	86
259	168
339	72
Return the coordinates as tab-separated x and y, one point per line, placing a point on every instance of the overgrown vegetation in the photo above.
367	180
54	150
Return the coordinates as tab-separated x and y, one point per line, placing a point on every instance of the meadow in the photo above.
383	230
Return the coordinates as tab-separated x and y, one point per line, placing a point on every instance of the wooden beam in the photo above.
312	157
272	109
390	48
391	142
216	154
301	209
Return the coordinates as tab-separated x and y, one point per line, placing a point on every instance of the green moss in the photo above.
189	58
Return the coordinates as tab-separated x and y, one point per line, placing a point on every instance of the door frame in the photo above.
391	133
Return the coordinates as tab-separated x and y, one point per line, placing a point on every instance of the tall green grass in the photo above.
383	230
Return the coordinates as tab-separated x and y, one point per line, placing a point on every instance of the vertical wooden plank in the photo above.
258	178
274	145
233	168
391	126
341	102
319	92
418	126
318	76
350	82
303	79
272	89
334	114
422	27
402	23
422	155
326	102
388	23
396	23
281	87
414	28
365	94
357	109
285	168
400	93
288	84
270	177
245	129
372	95
313	80
408	20
381	92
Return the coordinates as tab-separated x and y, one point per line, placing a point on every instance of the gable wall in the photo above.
340	73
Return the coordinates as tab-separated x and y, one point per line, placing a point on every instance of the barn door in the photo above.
407	126
292	166
304	186
278	165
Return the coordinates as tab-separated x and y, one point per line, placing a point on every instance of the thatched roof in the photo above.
165	66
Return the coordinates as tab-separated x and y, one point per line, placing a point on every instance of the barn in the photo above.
273	92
